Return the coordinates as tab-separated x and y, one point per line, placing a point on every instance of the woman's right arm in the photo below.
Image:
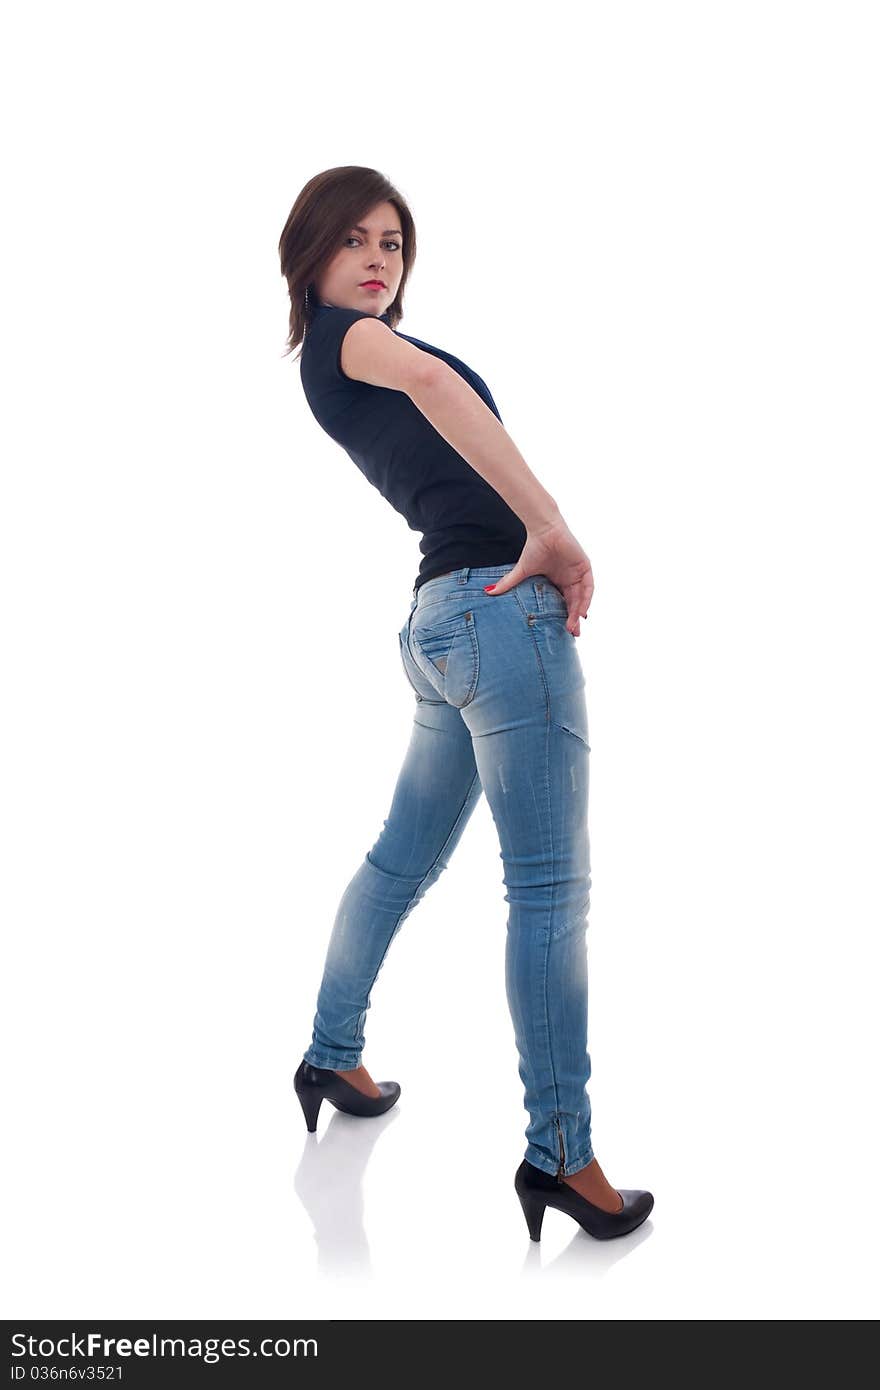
371	352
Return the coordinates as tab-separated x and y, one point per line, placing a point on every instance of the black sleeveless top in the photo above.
463	520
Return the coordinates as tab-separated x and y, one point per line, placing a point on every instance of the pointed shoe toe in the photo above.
313	1085
538	1190
637	1201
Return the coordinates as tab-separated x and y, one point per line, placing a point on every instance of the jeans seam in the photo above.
549	943
549	801
404	642
475	653
541	672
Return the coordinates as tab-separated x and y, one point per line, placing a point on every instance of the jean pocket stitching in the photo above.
461	624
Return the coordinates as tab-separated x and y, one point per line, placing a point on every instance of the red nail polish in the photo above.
487	588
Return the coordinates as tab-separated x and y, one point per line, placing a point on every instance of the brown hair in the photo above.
327	207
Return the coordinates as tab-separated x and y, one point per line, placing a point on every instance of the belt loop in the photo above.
463	576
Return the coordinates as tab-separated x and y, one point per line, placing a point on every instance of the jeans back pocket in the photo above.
447	652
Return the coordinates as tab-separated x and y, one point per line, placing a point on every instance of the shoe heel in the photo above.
310	1098
311	1104
533	1210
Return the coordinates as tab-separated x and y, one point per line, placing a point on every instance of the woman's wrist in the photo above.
544	520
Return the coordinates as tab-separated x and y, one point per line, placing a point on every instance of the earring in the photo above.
306	300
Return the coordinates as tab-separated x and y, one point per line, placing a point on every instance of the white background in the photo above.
653	229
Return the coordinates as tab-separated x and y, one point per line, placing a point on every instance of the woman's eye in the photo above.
395	245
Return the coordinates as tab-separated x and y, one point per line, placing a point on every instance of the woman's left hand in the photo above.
553	551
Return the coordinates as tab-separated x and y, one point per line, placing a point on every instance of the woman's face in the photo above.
370	251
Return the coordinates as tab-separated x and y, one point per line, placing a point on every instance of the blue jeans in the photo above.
499	707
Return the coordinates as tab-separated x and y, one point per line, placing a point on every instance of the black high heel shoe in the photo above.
315	1084
538	1190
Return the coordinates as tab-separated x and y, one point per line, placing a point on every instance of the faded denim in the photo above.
499	707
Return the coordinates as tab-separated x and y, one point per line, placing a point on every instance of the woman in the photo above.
488	648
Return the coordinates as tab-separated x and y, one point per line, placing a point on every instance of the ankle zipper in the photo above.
561	1153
